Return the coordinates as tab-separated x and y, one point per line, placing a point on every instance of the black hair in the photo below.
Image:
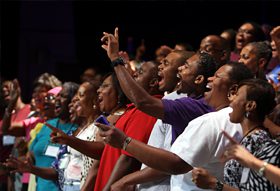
262	49
207	65
257	31
262	93
184	55
122	99
239	72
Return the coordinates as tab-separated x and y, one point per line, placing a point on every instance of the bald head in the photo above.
217	47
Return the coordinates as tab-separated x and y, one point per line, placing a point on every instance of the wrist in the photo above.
117	61
126	141
219	185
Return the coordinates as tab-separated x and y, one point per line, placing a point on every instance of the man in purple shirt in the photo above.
193	78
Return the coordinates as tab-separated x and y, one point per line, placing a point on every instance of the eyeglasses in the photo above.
246	32
49	98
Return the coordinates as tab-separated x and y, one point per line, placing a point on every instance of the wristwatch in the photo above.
118	61
219	185
262	169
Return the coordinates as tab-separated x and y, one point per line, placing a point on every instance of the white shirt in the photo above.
202	144
76	164
160	137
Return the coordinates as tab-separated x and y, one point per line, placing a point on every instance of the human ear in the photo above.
199	79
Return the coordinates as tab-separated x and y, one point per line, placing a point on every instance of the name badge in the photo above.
245	174
52	150
64	161
8	140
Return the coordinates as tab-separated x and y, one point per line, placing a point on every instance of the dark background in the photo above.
63	37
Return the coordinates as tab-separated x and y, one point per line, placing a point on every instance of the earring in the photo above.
94	106
247	114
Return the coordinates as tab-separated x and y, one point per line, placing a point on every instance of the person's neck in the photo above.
19	104
249	126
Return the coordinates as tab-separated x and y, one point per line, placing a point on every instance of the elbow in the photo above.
179	166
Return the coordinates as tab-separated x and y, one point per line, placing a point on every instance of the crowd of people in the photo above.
187	120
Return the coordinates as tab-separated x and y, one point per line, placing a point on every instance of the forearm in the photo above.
92	149
46	173
124	166
6	122
271	172
143	176
138	95
152	157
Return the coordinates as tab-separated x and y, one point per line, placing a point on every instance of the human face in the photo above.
107	96
249	58
274	50
168	70
212	45
73	108
85	100
61	103
187	74
238	105
49	106
146	73
218	85
6	88
244	35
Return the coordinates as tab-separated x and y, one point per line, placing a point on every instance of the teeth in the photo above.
178	76
208	86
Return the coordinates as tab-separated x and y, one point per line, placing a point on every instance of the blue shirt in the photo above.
38	147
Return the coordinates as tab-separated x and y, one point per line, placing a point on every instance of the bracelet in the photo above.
126	142
262	169
219	185
118	61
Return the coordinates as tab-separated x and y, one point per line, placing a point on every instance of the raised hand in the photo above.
14	94
58	136
111	44
111	135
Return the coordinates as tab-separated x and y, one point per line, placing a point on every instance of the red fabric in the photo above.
136	125
5	151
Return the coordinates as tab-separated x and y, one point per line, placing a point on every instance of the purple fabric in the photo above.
180	112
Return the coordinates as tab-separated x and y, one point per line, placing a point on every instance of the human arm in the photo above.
245	158
27	166
8	127
139	177
92	149
125	165
146	154
91	177
138	95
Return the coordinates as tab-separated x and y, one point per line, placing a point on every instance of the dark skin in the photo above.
141	98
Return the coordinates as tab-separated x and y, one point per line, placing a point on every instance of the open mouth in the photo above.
161	78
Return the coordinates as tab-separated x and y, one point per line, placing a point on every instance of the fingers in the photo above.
229	137
54	129
116	33
103	127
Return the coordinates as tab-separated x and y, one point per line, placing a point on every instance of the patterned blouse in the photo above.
233	169
271	154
